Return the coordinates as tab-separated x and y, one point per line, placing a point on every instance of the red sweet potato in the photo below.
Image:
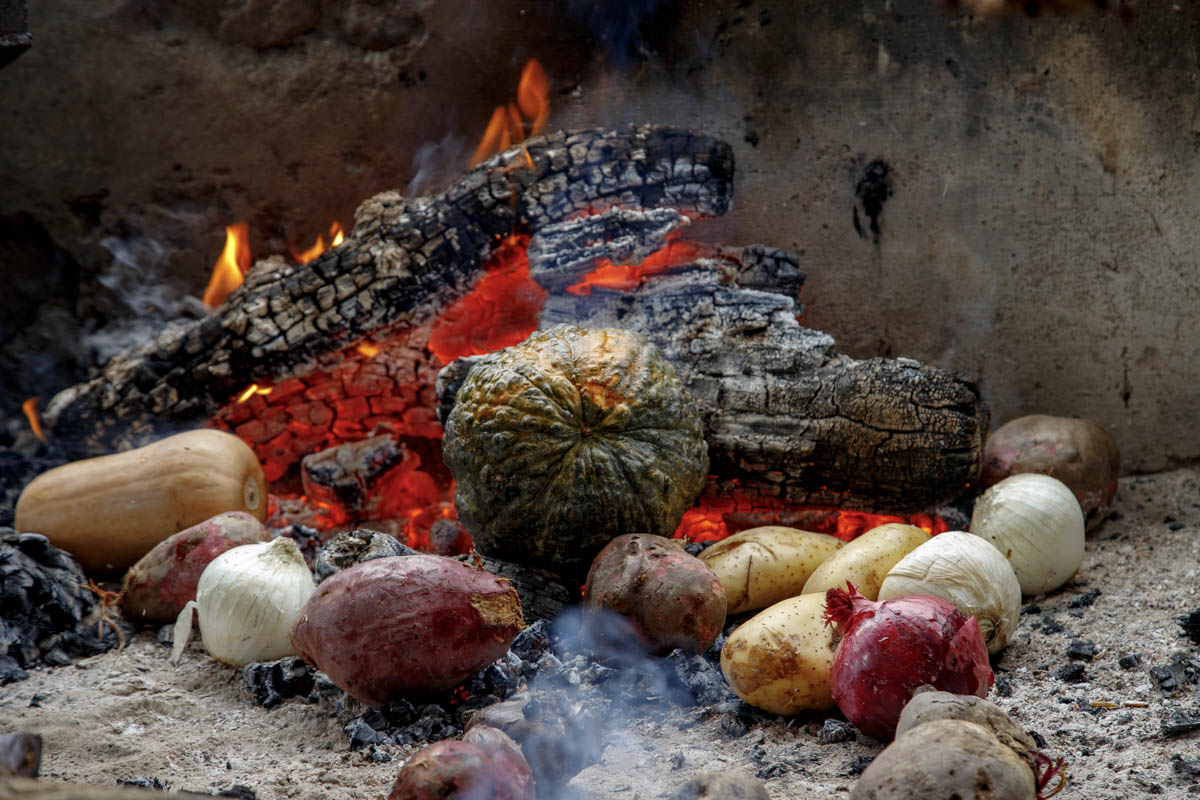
161	583
406	625
483	769
672	598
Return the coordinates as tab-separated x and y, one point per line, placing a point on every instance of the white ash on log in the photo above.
786	417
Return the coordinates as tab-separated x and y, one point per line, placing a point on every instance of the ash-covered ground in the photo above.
1102	670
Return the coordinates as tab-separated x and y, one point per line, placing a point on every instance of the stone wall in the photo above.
1011	198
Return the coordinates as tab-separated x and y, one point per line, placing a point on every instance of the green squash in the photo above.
568	440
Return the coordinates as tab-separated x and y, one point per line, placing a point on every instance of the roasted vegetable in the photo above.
161	583
406	625
946	758
1078	452
110	511
466	770
569	439
779	659
866	560
673	599
761	566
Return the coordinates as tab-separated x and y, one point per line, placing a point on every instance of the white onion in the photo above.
247	599
1036	522
967	571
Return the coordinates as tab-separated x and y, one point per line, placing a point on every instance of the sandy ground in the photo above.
130	714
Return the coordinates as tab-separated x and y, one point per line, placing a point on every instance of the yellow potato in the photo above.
866	560
761	566
779	659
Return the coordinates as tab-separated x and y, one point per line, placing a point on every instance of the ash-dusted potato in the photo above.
406	625
162	582
761	566
865	561
779	659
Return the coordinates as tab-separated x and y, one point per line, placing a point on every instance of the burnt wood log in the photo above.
407	259
786	416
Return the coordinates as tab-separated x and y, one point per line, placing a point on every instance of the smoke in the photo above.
435	165
591	680
620	26
146	299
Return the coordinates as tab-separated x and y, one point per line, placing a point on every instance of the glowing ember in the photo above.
629	276
31	414
508	123
230	268
715	518
252	390
502	309
336	236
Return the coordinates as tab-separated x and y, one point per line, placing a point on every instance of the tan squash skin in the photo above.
110	511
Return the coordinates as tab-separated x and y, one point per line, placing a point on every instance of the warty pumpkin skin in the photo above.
568	440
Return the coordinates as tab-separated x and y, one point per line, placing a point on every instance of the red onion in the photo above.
888	649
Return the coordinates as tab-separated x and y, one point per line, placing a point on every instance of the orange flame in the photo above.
230	268
252	390
629	276
31	414
336	236
508	123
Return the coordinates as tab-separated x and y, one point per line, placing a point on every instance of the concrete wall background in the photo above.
1040	233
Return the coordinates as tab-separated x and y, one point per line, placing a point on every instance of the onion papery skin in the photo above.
890	648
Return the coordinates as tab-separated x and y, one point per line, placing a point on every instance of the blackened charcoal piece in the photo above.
1081	650
701	677
721	786
43	595
1130	661
1003	686
1190	622
1071	673
355	547
143	783
1165	678
1086	599
239	791
272	682
10	671
834	731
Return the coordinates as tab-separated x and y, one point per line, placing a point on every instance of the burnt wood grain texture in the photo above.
407	259
786	416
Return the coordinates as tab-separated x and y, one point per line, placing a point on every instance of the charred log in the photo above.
786	416
407	260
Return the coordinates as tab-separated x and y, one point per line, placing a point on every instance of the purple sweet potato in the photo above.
672	598
483	769
161	583
406	625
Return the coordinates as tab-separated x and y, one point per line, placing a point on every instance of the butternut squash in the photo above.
110	511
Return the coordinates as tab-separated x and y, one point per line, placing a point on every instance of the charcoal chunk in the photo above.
272	682
355	547
1130	661
1071	673
834	731
1081	650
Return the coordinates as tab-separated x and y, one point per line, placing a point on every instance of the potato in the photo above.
161	583
761	566
672	598
1078	452
406	625
946	758
866	560
779	659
